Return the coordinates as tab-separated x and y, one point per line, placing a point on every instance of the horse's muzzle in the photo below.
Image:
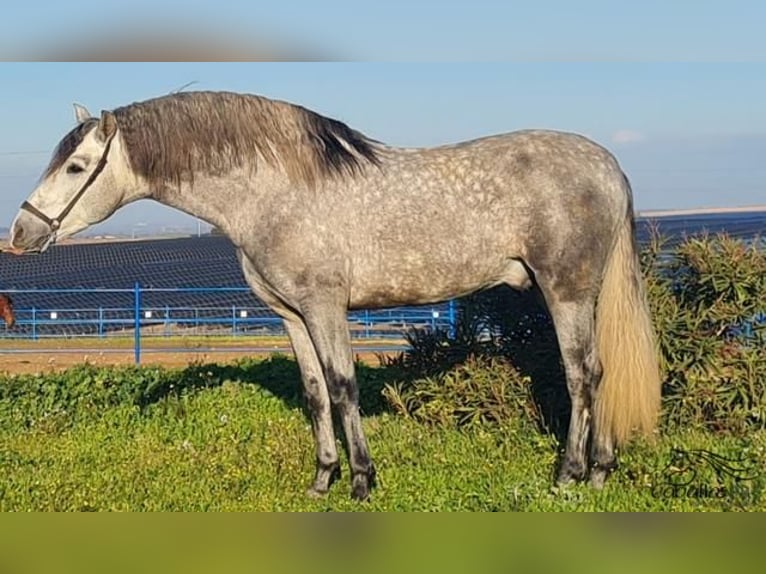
30	235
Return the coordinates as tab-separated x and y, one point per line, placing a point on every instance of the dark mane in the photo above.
68	144
169	139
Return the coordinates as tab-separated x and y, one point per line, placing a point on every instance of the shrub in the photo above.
704	296
482	390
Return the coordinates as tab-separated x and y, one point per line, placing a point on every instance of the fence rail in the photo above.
141	312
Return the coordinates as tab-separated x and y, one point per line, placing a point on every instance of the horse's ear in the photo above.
81	113
107	125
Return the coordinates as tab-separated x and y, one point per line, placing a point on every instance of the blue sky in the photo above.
427	30
688	134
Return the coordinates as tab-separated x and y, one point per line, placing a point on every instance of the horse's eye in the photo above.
74	168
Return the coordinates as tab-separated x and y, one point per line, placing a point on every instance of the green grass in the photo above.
234	437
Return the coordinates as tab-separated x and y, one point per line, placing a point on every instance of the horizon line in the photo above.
700	211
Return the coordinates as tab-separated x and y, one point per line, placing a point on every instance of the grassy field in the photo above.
235	437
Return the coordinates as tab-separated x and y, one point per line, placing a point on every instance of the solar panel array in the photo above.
92	290
86	270
744	226
207	261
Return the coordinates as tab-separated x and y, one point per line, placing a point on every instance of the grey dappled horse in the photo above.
326	220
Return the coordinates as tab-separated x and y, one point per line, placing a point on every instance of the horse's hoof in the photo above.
570	474
326	475
314	492
600	472
360	488
362	483
597	478
564	481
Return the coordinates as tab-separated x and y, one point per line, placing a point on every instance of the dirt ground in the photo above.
42	358
47	361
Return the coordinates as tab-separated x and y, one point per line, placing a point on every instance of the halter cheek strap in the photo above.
55	222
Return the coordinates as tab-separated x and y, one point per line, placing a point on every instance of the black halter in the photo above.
55	222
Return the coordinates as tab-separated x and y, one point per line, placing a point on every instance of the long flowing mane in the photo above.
170	138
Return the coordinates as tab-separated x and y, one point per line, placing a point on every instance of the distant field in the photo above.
174	342
701	211
51	355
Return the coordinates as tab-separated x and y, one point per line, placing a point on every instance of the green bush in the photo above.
482	390
702	295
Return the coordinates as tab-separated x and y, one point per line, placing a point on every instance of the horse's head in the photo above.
6	311
86	181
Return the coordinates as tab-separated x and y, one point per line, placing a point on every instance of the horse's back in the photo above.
512	170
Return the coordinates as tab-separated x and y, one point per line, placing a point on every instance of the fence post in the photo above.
452	319
101	322
34	324
137	322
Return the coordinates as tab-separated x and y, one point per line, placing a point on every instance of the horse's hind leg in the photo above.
575	329
328	326
603	459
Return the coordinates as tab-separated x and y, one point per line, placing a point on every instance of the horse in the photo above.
323	220
6	311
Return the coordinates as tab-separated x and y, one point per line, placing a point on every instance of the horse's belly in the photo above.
395	287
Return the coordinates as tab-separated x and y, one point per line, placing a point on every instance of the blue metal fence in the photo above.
139	312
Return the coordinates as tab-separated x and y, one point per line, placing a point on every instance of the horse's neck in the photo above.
224	200
235	201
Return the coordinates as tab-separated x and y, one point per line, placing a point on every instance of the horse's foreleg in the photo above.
328	327
318	401
312	376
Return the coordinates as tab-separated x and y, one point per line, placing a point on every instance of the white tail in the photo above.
628	399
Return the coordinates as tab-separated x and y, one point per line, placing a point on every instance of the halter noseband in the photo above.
55	222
